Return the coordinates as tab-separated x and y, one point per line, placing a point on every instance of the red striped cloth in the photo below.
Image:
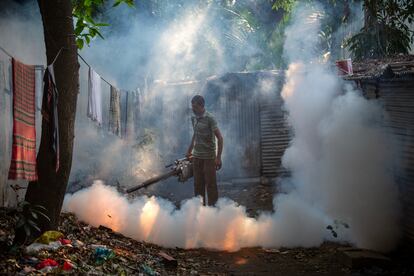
23	159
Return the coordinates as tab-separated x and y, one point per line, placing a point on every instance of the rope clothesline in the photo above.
42	66
7	53
87	64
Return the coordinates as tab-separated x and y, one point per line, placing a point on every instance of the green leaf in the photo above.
117	3
79	29
99	34
43	215
79	43
34	225
40	207
102	24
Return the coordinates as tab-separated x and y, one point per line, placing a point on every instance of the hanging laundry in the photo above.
39	73
49	112
23	159
115	112
94	97
5	76
124	112
2	76
131	105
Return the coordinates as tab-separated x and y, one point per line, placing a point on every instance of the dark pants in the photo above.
205	177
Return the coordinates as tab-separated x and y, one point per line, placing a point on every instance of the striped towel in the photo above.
115	112
23	159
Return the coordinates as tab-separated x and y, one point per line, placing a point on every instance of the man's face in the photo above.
197	109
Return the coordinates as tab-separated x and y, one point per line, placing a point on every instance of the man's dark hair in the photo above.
198	99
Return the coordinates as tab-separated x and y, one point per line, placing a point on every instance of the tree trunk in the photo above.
50	188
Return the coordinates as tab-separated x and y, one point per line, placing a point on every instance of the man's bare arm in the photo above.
190	148
220	142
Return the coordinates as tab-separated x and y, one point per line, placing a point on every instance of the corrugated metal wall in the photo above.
249	109
166	110
275	135
398	98
232	99
397	95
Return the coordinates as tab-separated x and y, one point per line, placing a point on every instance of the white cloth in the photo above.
39	87
94	97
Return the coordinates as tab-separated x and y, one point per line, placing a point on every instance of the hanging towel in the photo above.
130	114
124	112
115	112
39	86
6	76
23	159
49	112
94	97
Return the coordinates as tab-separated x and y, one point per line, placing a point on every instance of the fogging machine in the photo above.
182	168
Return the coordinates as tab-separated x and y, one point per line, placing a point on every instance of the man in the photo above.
202	150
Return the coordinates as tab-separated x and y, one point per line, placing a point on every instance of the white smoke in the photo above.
225	227
340	159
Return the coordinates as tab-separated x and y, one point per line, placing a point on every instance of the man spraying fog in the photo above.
202	150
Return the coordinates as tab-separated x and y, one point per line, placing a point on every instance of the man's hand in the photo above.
218	163
189	155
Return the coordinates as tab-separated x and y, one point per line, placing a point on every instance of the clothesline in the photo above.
42	66
7	53
87	64
94	98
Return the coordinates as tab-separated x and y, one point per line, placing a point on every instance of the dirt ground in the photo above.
133	257
327	259
139	258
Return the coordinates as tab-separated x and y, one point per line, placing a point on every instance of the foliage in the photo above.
386	31
28	216
258	31
86	28
286	5
334	15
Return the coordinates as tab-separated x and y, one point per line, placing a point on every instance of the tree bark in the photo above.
49	190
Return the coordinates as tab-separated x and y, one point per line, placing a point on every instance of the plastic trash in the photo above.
27	270
78	243
46	263
29	260
94	246
65	241
148	270
103	254
49	236
47	269
36	247
67	266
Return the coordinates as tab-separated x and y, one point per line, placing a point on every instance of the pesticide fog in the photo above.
340	160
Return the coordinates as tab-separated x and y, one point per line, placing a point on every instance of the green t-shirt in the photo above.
204	138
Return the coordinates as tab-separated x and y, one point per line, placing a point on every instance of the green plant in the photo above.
28	216
86	28
386	31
